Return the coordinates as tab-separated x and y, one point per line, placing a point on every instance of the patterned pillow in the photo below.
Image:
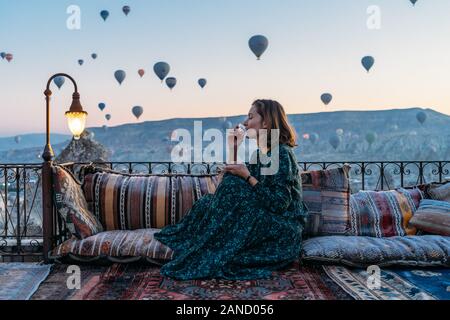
128	202
72	205
440	192
384	213
424	251
117	246
433	217
326	193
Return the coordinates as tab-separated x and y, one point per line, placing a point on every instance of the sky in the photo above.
315	46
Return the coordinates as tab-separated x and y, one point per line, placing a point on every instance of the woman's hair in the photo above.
273	114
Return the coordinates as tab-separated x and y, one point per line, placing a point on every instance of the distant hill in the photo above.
399	137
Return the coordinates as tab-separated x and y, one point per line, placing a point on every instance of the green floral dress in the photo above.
241	232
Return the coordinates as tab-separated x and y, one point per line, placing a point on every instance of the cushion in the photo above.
433	217
356	251
326	194
128	202
117	246
72	205
439	192
384	213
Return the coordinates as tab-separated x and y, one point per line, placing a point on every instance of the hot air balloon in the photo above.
104	14
326	98
306	136
335	141
9	57
421	117
101	106
126	10
368	62
108	117
340	132
137	111
161	69
94	56
59	81
171	82
413	2
202	82
258	44
3	55
313	137
141	72
371	137
120	76
80	62
17	139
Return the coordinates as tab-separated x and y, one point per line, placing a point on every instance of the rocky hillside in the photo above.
396	135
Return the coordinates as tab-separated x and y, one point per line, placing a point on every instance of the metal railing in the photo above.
21	194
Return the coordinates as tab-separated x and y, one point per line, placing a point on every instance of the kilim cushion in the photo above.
384	213
117	246
72	206
433	217
326	193
440	192
129	202
424	251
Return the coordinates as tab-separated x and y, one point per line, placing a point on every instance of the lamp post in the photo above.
76	118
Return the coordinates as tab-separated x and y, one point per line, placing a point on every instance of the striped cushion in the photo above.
116	244
433	217
384	213
129	202
326	193
440	192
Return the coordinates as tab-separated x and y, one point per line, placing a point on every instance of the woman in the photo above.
252	224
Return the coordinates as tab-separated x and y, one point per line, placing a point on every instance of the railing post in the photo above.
18	237
47	209
6	201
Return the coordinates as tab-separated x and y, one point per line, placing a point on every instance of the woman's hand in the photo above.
239	170
239	134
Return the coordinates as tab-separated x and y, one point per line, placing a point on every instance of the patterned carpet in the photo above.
18	281
143	282
395	284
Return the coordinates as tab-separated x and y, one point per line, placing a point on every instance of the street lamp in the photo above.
76	118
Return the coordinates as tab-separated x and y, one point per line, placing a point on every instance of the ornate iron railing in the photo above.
21	195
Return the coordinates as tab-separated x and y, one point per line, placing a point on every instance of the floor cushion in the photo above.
384	213
116	246
357	251
326	194
71	204
433	217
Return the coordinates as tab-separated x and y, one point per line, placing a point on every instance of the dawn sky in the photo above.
315	46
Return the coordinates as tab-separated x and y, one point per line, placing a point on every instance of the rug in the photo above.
18	281
144	282
395	284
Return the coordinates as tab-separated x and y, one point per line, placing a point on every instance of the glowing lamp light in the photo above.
76	122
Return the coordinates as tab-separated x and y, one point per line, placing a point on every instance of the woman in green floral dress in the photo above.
253	223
